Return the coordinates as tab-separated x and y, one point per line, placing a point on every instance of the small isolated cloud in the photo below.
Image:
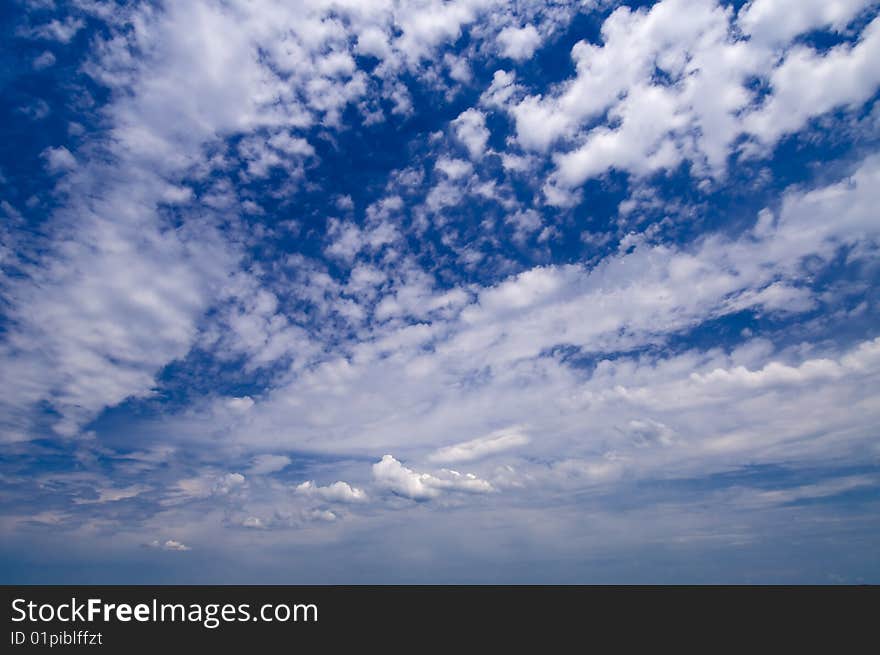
265	464
58	160
470	128
37	110
340	492
170	544
519	43
498	441
390	474
45	60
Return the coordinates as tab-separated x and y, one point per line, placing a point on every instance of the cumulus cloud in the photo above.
390	474
340	492
706	104
169	544
848	76
519	43
777	21
470	128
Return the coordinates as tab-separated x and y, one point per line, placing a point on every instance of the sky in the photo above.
388	291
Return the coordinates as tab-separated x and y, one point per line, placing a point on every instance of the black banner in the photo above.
121	619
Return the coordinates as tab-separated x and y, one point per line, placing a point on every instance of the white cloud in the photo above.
44	60
470	128
261	71
525	222
170	544
704	101
392	475
241	404
757	498
496	442
228	483
777	21
485	359
340	492
649	433
266	464
808	84
348	239
501	89
374	42
150	261
57	30
322	515
453	168
291	145
645	141
59	160
205	486
519	43
113	494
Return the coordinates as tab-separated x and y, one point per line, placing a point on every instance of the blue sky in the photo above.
434	291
